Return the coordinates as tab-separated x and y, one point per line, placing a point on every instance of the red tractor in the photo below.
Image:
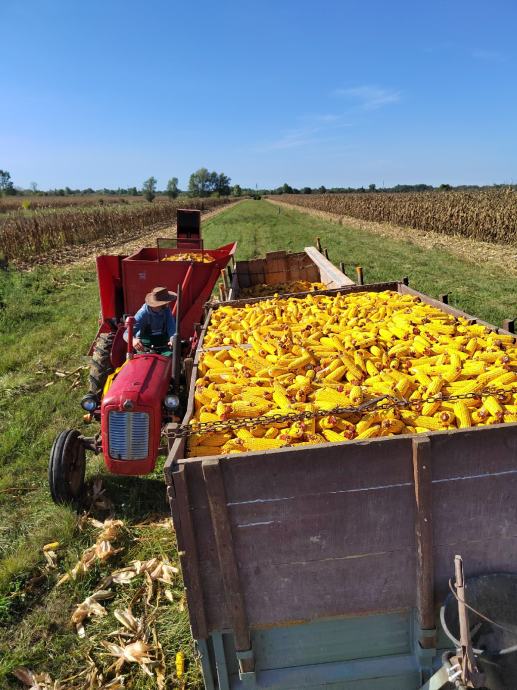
134	395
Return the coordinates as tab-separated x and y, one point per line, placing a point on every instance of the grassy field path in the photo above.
483	290
48	318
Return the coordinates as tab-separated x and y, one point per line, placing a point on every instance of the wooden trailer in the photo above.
325	566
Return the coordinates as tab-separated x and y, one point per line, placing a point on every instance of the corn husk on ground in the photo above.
320	352
122	623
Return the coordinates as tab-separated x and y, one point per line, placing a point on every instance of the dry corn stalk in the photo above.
489	215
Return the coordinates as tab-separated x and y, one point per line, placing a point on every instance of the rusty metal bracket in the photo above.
468	671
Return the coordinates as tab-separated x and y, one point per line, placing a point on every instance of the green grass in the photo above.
48	318
260	227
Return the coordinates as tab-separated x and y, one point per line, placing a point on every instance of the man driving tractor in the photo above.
154	323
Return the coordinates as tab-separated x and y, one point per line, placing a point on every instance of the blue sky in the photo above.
107	93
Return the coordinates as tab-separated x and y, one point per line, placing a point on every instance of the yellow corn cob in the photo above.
332	436
356	395
372	431
430	408
264	443
430	423
215	439
243	408
462	414
337	374
280	397
493	406
504	379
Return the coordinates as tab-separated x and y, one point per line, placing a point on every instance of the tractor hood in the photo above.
132	414
144	380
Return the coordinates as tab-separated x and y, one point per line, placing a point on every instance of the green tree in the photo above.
6	185
172	188
236	190
149	188
222	184
306	190
372	187
200	182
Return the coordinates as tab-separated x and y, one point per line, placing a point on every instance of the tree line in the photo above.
203	183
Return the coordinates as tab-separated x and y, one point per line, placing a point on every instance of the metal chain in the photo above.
249	422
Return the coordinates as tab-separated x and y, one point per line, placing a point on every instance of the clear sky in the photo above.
105	93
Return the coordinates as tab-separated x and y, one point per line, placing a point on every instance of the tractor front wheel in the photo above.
66	468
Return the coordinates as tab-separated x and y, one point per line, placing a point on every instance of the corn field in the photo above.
17	203
26	235
489	215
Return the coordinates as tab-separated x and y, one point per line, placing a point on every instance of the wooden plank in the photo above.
330	275
324	524
424	537
228	564
337	639
319	469
178	498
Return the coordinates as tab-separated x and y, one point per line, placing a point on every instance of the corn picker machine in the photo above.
134	395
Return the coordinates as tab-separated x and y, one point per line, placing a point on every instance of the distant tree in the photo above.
34	187
236	190
133	191
445	187
372	187
149	188
172	188
306	190
6	185
222	184
286	189
200	182
322	190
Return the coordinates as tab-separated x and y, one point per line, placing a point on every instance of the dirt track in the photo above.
467	249
125	243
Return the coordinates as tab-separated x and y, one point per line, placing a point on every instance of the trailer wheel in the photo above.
100	364
66	468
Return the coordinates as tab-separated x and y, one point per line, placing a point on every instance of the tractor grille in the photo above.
128	435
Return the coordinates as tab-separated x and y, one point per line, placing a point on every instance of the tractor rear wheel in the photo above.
100	364
66	468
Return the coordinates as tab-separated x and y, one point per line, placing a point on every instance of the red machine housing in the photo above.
130	443
125	280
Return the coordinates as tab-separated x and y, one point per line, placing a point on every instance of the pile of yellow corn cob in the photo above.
319	352
190	256
263	289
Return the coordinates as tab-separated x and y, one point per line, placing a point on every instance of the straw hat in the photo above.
159	296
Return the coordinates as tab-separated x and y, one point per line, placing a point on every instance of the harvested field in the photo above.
487	215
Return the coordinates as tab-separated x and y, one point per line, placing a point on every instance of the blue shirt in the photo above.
149	322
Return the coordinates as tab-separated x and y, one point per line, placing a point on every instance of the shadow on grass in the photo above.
135	498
